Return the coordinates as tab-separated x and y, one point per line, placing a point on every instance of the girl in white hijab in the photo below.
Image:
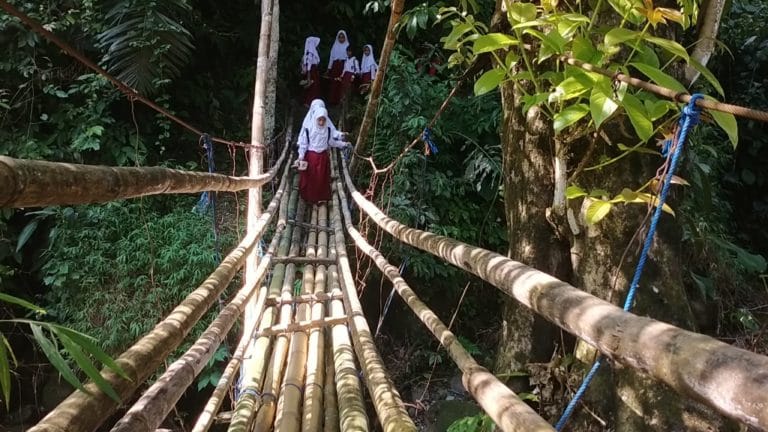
316	105
314	142
336	66
368	69
310	64
351	72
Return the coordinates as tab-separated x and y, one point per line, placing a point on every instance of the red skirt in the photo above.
365	82
315	181
313	91
335	74
346	83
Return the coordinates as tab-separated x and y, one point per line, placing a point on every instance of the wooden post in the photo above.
378	83
256	155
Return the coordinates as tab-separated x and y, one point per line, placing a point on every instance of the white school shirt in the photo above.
318	141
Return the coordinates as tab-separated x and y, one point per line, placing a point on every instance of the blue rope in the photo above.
209	199
688	120
426	136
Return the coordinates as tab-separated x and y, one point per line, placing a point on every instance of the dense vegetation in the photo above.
112	270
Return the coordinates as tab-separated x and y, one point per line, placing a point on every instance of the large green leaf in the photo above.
85	365
597	211
489	81
5	370
601	105
26	233
727	122
638	116
619	35
569	88
51	351
521	12
573	191
492	42
569	116
89	345
21	302
670	46
660	77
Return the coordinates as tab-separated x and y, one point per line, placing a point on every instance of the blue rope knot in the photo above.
426	136
691	110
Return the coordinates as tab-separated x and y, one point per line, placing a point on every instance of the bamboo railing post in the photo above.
731	380
349	394
386	400
259	351
85	411
508	411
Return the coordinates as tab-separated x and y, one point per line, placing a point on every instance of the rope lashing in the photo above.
429	146
688	120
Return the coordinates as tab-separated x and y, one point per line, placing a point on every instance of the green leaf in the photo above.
572	192
26	233
521	12
638	116
492	42
601	106
530	101
489	81
705	285
707	74
670	46
569	116
659	77
52	353
597	211
569	88
89	345
619	35
20	302
727	122
85	365
5	371
583	49
628	10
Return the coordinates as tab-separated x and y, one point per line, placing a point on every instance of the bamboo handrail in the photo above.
508	411
150	410
32	183
85	411
207	416
389	406
731	380
349	394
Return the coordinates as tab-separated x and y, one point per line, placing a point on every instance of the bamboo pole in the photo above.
288	417
207	416
349	394
304	298
313	389
330	404
256	155
259	352
386	400
302	326
271	391
85	411
306	260
731	380
148	412
372	107
508	411
31	183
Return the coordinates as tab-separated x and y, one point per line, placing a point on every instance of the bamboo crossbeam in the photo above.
311	226
731	380
389	406
85	411
32	183
508	411
351	415
305	298
257	355
305	260
302	326
206	418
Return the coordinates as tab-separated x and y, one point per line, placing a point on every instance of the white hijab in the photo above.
339	50
310	119
369	63
311	56
319	134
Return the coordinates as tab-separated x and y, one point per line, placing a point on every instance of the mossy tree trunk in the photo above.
540	236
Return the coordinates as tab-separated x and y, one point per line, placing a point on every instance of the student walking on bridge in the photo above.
314	161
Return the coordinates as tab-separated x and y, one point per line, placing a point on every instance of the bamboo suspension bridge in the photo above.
305	360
